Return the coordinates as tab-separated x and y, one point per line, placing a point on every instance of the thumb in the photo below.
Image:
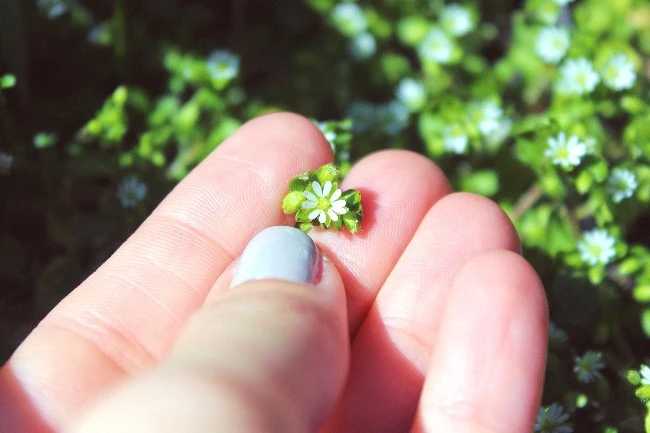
269	355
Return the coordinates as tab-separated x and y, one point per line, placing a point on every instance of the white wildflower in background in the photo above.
644	371
487	115
327	131
436	47
597	246
577	76
621	184
552	44
587	367
6	162
411	93
618	73
456	19
131	191
223	65
556	337
455	140
101	34
565	153
53	8
362	46
349	19
562	2
552	420
393	117
324	202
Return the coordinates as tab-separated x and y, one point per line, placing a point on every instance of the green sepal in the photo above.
305	227
338	224
352	199
328	172
352	222
299	183
292	202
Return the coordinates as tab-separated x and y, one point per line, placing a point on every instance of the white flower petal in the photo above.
327	188
310	196
339	203
314	214
336	195
308	205
333	215
322	217
317	188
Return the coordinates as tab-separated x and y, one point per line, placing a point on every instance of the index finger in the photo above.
127	314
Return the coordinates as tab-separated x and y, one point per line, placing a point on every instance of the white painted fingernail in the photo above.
279	253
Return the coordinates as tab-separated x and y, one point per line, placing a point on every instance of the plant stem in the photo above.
526	201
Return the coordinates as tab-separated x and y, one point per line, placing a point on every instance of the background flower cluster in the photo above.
542	105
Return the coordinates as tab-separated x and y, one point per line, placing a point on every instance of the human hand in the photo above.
441	326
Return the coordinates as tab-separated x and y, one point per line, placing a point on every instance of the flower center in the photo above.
563	153
323	203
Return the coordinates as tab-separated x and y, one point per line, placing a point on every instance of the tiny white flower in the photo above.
436	47
487	115
597	246
54	8
577	76
645	374
330	135
552	44
455	140
6	162
563	2
349	18
223	65
618	73
324	202
565	153
362	46
621	184
456	20
131	191
411	93
552	420
587	367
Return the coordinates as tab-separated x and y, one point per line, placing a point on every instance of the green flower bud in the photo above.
292	201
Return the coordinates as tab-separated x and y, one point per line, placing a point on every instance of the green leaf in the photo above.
584	182
597	275
7	81
43	140
633	377
484	182
412	29
642	293
645	325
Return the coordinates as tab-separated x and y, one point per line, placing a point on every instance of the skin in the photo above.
428	320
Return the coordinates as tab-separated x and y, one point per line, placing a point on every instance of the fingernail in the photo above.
279	253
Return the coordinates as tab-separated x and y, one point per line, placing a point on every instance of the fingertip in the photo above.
481	218
487	371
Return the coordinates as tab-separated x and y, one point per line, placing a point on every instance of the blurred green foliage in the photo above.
541	105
